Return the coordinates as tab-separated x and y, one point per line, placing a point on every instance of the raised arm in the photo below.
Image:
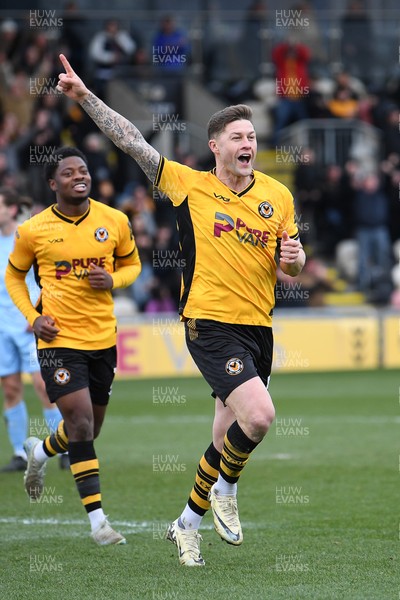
120	131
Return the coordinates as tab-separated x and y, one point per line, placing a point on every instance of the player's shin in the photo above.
235	454
206	476
85	469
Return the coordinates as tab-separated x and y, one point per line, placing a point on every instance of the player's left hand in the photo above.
99	278
70	84
289	249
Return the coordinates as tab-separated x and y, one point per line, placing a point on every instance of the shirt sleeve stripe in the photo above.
16	269
125	255
159	171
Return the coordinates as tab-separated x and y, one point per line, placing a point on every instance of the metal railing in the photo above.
334	141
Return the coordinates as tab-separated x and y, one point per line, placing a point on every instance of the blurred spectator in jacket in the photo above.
161	300
170	46
310	33
371	218
95	147
307	185
17	99
35	148
252	38
357	40
292	83
391	137
109	49
10	40
344	104
334	220
73	34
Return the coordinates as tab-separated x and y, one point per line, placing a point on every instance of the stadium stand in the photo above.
227	57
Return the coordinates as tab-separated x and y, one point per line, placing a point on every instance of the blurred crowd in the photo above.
356	201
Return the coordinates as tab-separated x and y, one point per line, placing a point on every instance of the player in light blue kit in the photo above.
17	345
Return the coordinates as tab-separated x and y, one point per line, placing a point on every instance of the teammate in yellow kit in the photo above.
81	249
233	224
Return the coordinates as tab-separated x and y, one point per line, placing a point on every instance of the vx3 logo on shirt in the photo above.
221	197
253	236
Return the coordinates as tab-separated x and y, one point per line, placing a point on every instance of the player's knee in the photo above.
12	393
80	429
260	421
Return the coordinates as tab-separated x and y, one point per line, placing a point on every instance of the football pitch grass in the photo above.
318	499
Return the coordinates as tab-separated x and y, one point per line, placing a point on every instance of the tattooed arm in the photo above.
120	131
123	133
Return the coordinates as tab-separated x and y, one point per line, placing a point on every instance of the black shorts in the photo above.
228	355
65	370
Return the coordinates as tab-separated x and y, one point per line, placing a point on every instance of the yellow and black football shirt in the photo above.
61	249
228	242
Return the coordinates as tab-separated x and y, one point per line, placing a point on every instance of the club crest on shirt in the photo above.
266	210
234	366
62	376
101	234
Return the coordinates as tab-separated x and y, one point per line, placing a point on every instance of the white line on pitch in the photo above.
176	419
138	526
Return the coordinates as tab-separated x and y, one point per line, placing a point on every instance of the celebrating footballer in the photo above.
81	249
235	225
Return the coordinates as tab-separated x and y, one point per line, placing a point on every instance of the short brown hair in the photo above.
222	118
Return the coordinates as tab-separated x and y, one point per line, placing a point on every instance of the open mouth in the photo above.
244	158
80	187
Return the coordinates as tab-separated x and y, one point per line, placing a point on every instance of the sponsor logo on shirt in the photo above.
221	197
79	267
245	234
